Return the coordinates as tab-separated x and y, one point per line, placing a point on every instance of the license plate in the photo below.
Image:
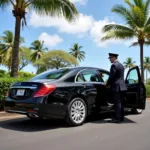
20	92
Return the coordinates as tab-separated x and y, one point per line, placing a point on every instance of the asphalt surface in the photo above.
95	134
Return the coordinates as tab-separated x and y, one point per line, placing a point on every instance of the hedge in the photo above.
148	91
5	84
23	74
2	73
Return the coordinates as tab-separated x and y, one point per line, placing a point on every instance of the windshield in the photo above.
52	75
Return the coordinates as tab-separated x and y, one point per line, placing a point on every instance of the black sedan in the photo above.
72	94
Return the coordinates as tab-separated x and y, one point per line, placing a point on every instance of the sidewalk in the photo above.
4	115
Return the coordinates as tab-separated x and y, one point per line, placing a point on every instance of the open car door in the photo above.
136	92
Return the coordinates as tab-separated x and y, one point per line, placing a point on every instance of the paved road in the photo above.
97	134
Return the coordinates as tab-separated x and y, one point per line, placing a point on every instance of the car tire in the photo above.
136	111
76	112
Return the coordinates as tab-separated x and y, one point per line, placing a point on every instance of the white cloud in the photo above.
82	25
97	34
82	2
50	40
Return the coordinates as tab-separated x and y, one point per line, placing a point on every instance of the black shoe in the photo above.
114	121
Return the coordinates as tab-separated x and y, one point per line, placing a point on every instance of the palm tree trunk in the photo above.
15	51
141	60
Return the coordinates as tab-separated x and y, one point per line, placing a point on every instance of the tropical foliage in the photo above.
137	25
147	67
38	50
42	7
77	52
55	59
129	63
24	57
6	46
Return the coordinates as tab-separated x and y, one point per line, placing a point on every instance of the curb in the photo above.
12	117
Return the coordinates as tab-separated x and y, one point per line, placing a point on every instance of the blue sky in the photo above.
59	34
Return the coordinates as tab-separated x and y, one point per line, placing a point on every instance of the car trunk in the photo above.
23	90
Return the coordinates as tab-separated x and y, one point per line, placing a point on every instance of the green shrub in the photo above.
148	82
148	91
2	73
5	84
23	74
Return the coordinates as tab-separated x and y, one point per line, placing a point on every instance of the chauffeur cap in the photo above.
112	55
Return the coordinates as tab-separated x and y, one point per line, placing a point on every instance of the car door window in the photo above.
87	76
80	78
133	77
104	76
90	75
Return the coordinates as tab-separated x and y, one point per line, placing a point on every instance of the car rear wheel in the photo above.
137	111
77	112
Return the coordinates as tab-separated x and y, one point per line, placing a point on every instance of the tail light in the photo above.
44	90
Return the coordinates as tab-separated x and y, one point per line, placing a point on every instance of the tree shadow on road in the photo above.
27	125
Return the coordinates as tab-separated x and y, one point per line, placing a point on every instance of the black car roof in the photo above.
80	68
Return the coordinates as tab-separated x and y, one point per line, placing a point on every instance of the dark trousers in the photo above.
118	104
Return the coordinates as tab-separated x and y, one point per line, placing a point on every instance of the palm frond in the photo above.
147	29
129	63
147	22
129	3
146	6
33	56
134	44
55	8
117	27
147	43
4	3
126	14
80	47
138	3
118	34
8	37
138	16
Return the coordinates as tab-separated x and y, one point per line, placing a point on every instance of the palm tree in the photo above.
147	67
6	47
129	63
39	50
137	22
42	7
77	52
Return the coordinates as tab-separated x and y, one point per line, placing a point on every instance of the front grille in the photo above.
13	94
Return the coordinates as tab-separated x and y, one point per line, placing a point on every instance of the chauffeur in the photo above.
118	87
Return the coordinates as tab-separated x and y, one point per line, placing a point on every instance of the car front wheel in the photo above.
77	112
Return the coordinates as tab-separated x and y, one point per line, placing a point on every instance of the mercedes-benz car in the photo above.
72	94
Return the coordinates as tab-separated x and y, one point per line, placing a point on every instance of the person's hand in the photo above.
105	84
